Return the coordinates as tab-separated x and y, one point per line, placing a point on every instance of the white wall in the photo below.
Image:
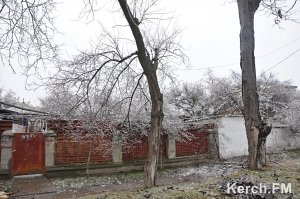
282	138
233	139
16	128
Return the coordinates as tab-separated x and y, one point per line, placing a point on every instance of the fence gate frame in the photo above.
28	154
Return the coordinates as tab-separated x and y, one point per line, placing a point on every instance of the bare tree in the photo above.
11	97
224	94
191	99
292	115
26	33
256	128
59	102
218	96
122	70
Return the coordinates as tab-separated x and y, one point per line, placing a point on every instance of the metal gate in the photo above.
28	153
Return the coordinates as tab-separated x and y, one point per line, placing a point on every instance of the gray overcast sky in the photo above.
210	36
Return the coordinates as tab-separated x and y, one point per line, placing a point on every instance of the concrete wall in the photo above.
49	148
6	149
233	139
117	147
171	146
213	142
282	138
17	128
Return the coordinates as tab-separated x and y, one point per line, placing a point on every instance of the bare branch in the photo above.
281	9
131	98
26	33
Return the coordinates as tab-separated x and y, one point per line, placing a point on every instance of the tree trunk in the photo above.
149	68
264	131
155	129
255	128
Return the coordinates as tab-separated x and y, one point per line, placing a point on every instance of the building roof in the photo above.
8	110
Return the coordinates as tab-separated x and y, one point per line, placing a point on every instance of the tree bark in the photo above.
256	130
149	68
155	129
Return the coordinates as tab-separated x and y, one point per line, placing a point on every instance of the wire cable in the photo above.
272	67
257	57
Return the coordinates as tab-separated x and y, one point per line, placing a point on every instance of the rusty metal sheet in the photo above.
28	153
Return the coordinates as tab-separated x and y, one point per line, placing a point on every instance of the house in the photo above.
233	139
20	119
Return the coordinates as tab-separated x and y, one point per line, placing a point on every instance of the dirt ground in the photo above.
197	181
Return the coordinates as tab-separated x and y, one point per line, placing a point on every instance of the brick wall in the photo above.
196	146
70	150
5	125
136	148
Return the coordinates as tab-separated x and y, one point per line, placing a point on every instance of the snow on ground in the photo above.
209	170
101	181
202	171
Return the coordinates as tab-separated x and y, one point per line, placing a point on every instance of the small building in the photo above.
233	138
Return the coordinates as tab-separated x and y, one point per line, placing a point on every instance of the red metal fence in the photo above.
28	153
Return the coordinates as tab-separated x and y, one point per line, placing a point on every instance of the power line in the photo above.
279	48
270	68
257	57
204	68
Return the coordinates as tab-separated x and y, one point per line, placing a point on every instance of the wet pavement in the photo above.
32	187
